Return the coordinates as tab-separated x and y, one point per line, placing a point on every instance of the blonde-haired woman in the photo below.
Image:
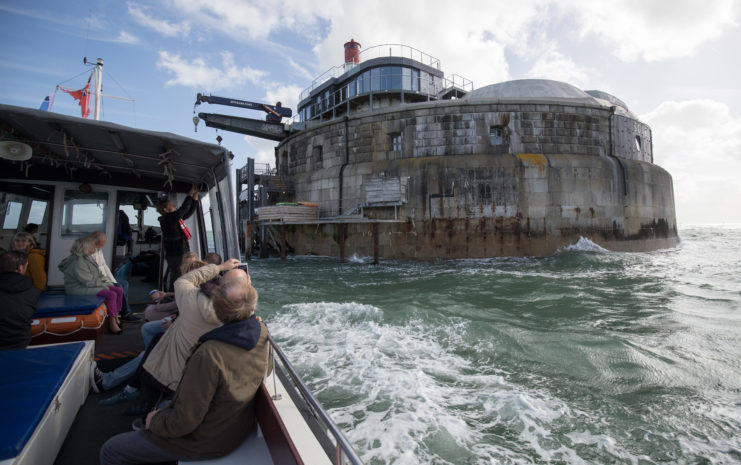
82	277
25	242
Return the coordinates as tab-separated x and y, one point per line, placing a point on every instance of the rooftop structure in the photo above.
378	77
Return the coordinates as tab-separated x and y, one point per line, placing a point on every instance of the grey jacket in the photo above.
82	276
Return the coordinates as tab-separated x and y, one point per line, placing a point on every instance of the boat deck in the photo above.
94	423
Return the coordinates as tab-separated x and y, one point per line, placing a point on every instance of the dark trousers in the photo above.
173	270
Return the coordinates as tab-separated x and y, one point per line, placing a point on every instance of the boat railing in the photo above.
344	453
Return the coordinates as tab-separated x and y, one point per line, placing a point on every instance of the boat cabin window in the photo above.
21	204
38	211
12	215
208	222
84	212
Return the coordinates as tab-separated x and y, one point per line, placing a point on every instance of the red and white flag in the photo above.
83	97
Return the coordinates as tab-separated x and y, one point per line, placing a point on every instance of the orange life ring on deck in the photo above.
68	324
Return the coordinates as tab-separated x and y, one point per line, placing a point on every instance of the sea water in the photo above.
584	357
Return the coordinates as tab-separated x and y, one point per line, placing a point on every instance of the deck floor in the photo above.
94	423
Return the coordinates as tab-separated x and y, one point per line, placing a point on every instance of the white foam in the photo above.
583	245
406	397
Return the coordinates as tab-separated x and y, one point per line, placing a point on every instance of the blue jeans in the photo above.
113	378
133	448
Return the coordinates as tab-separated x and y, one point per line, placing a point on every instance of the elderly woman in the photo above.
82	277
25	242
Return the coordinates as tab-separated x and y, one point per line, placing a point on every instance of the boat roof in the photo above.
72	148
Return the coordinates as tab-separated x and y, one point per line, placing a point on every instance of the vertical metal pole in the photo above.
375	243
283	228
248	241
98	87
342	242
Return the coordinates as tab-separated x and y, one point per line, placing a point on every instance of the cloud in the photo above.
126	38
166	28
257	20
198	74
554	65
653	30
286	95
699	143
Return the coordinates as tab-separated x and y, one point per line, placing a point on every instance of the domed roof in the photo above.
545	89
527	89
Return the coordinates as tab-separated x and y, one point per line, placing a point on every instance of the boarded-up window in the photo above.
317	156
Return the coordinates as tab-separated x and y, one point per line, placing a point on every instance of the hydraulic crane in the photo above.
271	128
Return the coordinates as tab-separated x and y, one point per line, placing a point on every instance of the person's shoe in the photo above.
96	378
130	317
124	395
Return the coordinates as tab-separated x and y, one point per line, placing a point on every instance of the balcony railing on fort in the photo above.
377	51
431	89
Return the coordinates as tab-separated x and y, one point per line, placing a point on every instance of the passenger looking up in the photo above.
164	366
82	277
36	270
100	238
213	410
19	298
175	234
104	381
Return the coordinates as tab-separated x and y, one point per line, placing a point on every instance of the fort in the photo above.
403	162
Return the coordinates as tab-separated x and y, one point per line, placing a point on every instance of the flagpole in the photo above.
98	87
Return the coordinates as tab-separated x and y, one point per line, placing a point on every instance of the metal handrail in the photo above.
343	446
377	51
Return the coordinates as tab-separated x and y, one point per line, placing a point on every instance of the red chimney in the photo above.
352	52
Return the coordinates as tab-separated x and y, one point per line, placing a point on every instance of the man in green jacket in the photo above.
213	409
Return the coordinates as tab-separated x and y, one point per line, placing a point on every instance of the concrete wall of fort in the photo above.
557	173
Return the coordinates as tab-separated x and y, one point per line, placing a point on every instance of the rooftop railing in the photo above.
377	51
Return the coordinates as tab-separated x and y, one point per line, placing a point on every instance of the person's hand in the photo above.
229	264
157	296
193	192
149	418
167	322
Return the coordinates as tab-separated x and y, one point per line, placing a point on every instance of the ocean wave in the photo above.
583	245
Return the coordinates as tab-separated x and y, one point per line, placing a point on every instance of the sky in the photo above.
675	63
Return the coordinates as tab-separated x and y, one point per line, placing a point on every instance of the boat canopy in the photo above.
71	148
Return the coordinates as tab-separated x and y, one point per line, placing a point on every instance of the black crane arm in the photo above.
276	110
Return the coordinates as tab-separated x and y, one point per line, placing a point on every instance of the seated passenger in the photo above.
164	366
82	277
212	258
100	238
159	309
36	270
213	409
19	297
33	230
107	380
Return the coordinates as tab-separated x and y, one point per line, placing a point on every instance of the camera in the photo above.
243	267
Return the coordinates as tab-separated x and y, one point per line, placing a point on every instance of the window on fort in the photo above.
375	77
638	143
395	142
485	191
496	135
316	157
